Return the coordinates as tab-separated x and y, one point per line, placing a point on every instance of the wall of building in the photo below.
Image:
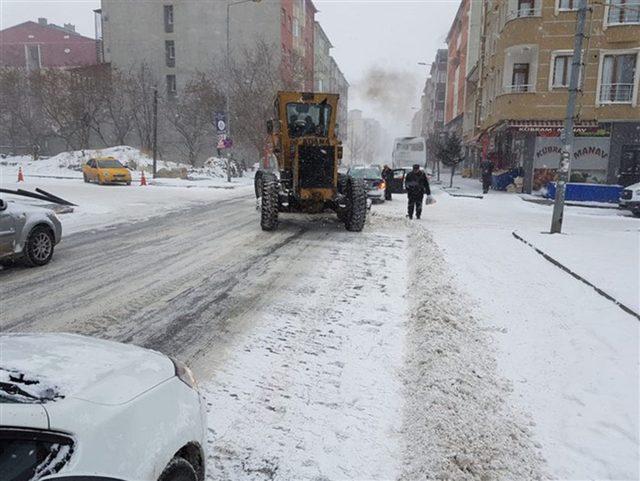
457	63
322	60
57	47
550	33
134	33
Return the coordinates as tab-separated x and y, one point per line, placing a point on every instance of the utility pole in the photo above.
155	130
567	135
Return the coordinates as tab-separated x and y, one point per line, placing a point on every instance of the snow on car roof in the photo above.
50	367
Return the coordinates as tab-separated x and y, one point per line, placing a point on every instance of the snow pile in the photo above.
69	164
458	423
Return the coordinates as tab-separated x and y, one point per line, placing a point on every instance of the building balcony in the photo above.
527	11
620	93
519	89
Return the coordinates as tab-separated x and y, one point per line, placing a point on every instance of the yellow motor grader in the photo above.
308	153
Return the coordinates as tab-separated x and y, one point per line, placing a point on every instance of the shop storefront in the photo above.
529	151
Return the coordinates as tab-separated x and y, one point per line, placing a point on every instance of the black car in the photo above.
373	181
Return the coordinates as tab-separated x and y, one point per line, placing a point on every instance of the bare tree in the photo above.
21	120
71	102
189	118
118	111
139	94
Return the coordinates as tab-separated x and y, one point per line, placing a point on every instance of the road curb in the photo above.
558	264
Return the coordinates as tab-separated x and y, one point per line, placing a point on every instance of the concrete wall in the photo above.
134	33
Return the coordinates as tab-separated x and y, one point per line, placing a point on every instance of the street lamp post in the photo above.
228	67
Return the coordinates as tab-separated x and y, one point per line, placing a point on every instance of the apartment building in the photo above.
35	45
526	59
338	84
322	59
456	70
328	77
366	140
434	94
178	38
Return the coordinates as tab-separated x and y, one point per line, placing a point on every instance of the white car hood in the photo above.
633	187
72	366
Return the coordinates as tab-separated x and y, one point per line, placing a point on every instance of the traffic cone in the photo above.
20	175
143	179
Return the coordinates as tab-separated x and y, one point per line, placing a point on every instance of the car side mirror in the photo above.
3	205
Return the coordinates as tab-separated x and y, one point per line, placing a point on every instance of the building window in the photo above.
623	11
525	8
520	78
561	71
168	18
567	5
172	88
170	53
618	77
33	60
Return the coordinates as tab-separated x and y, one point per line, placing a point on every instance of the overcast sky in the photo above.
390	36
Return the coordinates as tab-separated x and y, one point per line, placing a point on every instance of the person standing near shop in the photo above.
486	170
417	186
387	176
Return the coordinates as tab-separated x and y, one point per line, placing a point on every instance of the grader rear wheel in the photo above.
269	208
356	213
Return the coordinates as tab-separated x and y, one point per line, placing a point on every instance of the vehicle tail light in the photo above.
382	185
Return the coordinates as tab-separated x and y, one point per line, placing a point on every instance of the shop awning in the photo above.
548	124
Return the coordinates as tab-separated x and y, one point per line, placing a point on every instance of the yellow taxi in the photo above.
106	170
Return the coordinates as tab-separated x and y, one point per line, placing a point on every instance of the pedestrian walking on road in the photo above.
387	176
417	186
486	169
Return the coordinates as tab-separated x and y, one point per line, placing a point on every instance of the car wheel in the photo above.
636	212
129	183
38	249
178	470
85	178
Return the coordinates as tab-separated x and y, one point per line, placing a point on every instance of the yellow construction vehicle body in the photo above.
306	146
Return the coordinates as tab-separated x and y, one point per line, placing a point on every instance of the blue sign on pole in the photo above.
220	119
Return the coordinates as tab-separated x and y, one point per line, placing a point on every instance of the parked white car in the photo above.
74	407
630	199
28	232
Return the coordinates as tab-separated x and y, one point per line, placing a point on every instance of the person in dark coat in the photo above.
387	176
417	185
486	170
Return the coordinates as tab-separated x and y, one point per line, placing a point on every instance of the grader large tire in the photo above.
269	207
257	183
356	213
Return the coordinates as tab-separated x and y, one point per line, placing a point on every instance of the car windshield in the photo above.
308	119
367	173
109	164
27	456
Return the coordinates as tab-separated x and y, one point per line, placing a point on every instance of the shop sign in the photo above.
589	153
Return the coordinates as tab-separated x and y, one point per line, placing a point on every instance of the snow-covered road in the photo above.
394	353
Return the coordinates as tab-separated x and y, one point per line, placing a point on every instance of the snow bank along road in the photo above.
321	355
